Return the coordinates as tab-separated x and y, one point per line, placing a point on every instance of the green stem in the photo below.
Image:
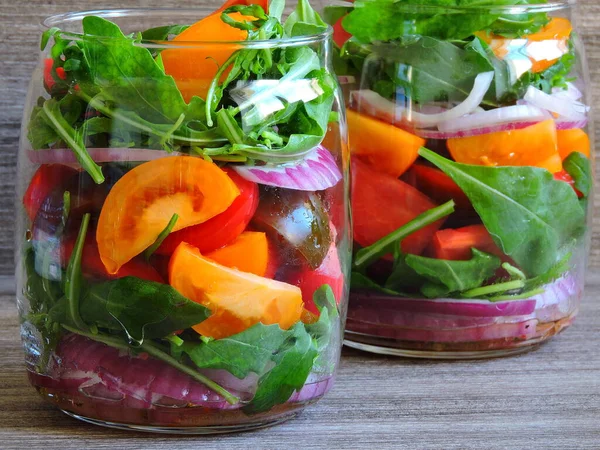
69	135
169	133
493	289
229	127
152	350
73	276
213	87
514	271
368	255
161	237
523	296
157	353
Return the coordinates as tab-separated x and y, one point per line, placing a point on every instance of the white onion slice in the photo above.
317	171
564	107
482	84
375	105
500	116
571	93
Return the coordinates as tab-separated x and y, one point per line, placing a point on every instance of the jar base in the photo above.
390	347
190	430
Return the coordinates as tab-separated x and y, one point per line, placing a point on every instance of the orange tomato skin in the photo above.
194	66
575	140
535	146
142	202
385	147
249	252
237	300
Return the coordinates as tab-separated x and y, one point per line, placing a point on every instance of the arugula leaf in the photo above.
361	281
245	352
321	330
580	168
293	363
128	75
304	21
531	222
163	33
138	308
446	277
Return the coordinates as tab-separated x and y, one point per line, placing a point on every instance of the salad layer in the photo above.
471	170
185	225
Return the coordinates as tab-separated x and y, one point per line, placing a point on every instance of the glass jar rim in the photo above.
424	7
56	20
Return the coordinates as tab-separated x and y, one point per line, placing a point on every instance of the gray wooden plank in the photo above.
548	399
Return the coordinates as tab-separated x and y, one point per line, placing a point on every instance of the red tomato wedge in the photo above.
92	266
49	80
143	201
340	36
43	182
382	204
221	229
456	244
563	175
308	280
437	185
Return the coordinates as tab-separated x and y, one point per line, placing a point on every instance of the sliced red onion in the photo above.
313	390
508	116
99	155
89	367
317	171
564	107
566	124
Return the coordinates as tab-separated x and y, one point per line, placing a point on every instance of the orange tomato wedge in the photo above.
236	299
386	148
248	253
534	146
194	66
558	28
142	202
575	140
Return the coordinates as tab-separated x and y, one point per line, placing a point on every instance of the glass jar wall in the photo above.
472	174
183	238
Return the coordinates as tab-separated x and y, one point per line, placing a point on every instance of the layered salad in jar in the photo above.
183	241
472	175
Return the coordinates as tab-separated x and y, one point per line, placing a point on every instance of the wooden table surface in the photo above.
548	399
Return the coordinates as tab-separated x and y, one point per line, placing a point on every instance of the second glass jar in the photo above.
471	158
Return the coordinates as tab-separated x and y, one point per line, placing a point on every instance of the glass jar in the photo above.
183	232
472	172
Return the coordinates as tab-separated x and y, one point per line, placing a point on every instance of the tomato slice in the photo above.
44	181
236	299
574	140
340	35
249	252
92	266
437	185
143	201
309	280
535	145
563	175
382	204
221	229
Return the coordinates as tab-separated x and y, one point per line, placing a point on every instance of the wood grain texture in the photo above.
548	399
19	33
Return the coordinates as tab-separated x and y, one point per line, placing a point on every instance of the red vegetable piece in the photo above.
456	244
45	179
437	185
382	204
92	266
49	81
221	229
329	272
563	175
340	35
